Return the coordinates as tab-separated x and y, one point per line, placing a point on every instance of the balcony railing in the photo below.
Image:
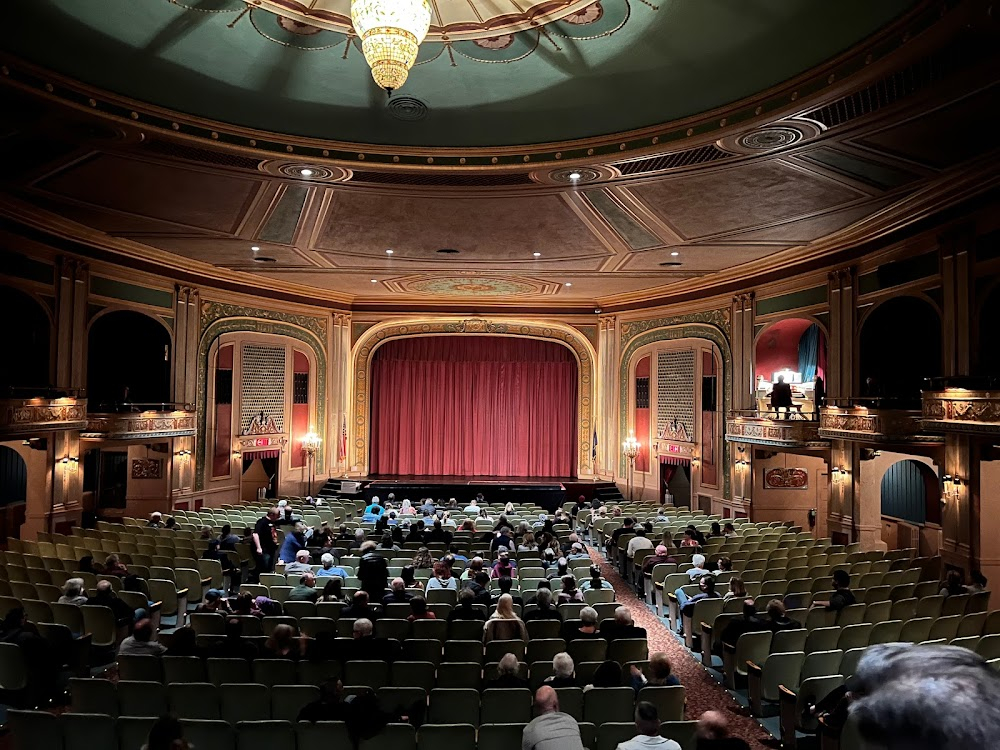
28	411
967	405
135	421
873	419
764	428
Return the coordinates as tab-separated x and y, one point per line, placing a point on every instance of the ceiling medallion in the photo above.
575	175
766	139
390	32
778	135
306	171
407	108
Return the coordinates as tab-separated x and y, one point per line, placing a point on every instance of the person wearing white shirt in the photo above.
638	542
647	721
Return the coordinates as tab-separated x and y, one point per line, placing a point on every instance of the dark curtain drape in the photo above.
473	406
812	353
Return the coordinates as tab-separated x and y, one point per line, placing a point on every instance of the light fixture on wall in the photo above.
630	449
310	444
70	464
183	455
951	487
839	474
237	453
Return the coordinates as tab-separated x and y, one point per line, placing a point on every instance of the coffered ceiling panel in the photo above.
197	198
697	257
741	197
483	230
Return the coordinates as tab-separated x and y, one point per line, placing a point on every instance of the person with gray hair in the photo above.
908	697
330	567
563	671
543	607
72	592
622	626
300	565
507	674
586	630
550	729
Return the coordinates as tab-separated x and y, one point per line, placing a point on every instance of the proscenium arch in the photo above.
571	338
672	333
254	325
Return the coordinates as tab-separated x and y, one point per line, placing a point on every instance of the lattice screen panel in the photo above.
675	389
263	386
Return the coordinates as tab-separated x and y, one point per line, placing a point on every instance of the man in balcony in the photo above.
781	397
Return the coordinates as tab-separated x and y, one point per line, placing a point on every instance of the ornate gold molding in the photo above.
782	433
140	426
374	337
24	416
872	425
960	410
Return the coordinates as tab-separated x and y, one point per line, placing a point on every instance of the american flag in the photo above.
343	439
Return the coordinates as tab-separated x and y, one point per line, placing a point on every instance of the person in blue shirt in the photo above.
374	511
330	567
294	541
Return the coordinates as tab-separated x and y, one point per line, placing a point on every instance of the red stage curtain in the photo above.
473	406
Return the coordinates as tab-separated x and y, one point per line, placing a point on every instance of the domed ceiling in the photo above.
491	72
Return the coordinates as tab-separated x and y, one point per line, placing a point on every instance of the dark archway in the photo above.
26	351
128	360
911	492
987	361
900	345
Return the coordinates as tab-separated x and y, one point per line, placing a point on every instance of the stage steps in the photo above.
608	492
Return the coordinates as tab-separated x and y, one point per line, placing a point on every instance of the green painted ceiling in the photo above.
687	57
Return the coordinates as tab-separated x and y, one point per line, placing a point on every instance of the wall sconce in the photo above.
183	455
951	487
839	475
70	464
237	453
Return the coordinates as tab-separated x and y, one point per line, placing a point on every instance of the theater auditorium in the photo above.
539	374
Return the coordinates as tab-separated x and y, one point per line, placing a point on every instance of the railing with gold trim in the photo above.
966	405
874	420
761	428
141	422
32	410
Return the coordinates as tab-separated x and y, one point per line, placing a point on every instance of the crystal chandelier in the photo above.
390	32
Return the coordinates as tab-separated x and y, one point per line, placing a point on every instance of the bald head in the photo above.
398	585
546	700
103	586
712	725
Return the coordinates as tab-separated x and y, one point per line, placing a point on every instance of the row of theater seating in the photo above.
75	731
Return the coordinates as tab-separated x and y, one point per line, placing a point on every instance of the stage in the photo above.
548	492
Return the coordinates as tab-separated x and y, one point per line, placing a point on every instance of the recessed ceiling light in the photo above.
671	263
306	172
448	251
374	281
575	175
388	252
255	248
264	259
569	283
675	253
597	310
537	255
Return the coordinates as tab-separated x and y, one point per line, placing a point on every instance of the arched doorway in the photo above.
128	361
900	346
13	491
910	497
794	349
25	356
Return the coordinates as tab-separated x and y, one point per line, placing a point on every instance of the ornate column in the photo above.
607	396
841	383
958	285
340	377
187	331
742	344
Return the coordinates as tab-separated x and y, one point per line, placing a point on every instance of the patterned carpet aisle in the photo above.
702	692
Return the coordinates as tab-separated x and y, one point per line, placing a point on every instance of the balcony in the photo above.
29	411
965	405
140	422
873	420
762	428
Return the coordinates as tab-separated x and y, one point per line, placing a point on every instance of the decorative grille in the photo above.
263	386
675	389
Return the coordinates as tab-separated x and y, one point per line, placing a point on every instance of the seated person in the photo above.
504	565
570	593
295	540
329	707
543	607
622	626
507	674
305	591
419	611
366	646
647	723
723	565
359	608
72	592
777	620
563	672
399	594
300	565
595	582
465	609
712	733
504	624
842	596
686	604
142	641
104	596
504	586
330	567
373	511
229	569
749	622
215	602
661	556
113	566
233	645
586	630
659	673
282	644
697	569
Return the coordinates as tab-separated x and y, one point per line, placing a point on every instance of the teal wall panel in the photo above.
104	287
792	301
904	492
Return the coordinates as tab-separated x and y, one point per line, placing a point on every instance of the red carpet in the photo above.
701	690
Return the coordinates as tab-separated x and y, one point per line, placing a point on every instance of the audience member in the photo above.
104	596
647	723
295	541
661	556
504	565
229	569
183	643
563	672
305	591
465	609
607	674
442	580
707	591
550	729
737	589
595	582
748	622
777	620
366	646
233	645
214	603
265	544
625	528
360	608
330	567
300	564
954	584
587	629
504	624
842	595
622	626
660	673
423	560
113	566
72	592
638	542
333	590
978	584
330	705
507	674
373	571
569	592
399	594
712	733
282	644
697	569
142	641
723	565
167	733
543	607
528	543
419	611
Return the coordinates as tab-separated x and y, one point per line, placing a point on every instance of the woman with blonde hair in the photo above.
504	624
737	589
527	543
423	560
407	509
